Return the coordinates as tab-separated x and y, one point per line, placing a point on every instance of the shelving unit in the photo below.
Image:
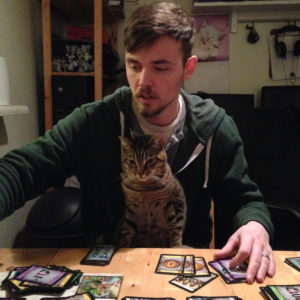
96	12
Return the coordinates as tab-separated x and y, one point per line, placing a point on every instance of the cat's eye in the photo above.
130	162
150	161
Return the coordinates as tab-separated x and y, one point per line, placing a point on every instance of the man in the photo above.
203	146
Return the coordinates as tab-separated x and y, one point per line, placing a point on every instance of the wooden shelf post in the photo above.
98	49
47	55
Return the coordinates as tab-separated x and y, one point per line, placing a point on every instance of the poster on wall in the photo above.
210	77
212	37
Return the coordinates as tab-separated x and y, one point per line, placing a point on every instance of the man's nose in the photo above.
145	78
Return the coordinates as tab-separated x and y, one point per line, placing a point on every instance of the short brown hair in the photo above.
151	21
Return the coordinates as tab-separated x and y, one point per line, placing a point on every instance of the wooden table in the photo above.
138	268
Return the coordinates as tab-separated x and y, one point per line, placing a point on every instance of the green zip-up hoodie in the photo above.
86	144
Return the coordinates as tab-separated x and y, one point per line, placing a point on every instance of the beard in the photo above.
147	110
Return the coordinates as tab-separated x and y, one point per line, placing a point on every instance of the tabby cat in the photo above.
155	207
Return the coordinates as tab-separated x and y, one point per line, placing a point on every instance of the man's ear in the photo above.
190	67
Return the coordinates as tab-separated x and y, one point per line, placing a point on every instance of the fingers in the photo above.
251	245
257	267
272	266
243	252
228	249
261	264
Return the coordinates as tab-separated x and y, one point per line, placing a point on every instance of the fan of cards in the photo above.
39	279
192	271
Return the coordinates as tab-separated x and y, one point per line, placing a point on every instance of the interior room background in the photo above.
21	45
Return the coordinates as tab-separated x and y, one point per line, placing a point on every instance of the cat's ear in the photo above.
159	140
125	142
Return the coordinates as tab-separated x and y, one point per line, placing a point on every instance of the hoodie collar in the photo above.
203	116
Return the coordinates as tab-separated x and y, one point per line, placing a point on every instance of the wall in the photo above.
249	63
20	44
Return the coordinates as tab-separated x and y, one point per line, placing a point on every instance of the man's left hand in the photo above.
251	242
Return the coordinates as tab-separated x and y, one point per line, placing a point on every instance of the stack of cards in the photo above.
99	255
281	292
38	279
101	285
193	271
230	275
293	262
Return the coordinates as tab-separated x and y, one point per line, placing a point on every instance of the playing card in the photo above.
170	264
99	255
41	275
15	285
265	292
293	262
230	275
76	274
189	265
13	298
213	298
101	285
201	268
282	292
84	296
145	298
192	283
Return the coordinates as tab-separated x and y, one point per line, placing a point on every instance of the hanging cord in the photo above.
284	70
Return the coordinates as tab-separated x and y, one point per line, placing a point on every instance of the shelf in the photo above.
8	110
73	73
268	5
83	11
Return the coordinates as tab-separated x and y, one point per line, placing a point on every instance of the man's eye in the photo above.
133	67
161	69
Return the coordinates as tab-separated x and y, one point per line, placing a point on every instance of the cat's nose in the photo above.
141	174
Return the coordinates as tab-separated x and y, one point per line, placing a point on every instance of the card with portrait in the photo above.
101	285
192	283
201	268
170	264
99	255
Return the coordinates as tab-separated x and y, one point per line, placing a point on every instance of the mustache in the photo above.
145	93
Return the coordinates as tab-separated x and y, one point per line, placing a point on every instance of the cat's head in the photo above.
143	157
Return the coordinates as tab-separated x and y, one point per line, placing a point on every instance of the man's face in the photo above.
155	75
